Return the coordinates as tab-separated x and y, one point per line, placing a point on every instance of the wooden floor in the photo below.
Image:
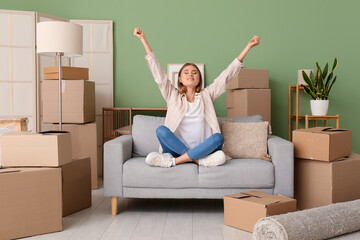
141	219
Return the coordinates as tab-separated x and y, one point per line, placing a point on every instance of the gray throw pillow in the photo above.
144	134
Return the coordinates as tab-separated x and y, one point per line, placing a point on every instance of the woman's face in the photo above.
190	77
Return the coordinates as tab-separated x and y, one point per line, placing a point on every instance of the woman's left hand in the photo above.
254	41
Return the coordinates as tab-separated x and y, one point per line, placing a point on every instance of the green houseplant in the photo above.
319	86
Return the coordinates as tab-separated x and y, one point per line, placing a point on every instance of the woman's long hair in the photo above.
182	89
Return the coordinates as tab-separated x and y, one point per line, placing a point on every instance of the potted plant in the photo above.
318	87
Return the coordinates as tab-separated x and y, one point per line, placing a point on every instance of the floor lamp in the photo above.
60	39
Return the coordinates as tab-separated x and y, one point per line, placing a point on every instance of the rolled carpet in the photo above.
317	223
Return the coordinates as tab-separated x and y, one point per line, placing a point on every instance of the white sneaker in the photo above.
215	159
159	159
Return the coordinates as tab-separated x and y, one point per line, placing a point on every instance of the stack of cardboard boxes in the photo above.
326	170
249	94
78	111
40	183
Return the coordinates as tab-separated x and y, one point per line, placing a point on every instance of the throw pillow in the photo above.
245	140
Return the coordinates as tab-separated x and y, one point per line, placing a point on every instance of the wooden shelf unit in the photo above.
306	117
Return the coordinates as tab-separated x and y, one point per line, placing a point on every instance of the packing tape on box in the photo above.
63	86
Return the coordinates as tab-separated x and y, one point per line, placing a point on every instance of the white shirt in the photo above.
193	128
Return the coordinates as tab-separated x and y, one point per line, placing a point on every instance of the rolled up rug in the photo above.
316	223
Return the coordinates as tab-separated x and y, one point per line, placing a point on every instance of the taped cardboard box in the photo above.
30	202
84	144
322	183
52	73
22	149
76	185
78	101
322	143
248	102
17	124
243	210
250	78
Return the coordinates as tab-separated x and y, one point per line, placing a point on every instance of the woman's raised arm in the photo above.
253	42
140	34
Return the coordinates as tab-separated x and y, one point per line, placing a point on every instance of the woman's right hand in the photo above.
138	33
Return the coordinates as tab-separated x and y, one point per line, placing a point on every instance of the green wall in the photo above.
294	34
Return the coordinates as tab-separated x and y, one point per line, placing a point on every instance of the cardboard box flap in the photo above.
64	68
9	170
255	198
324	130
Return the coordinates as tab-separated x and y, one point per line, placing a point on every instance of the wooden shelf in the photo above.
298	116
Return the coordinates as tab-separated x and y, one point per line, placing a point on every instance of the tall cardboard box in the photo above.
66	73
23	149
243	210
18	124
84	144
78	101
76	185
250	78
247	102
322	143
30	202
322	183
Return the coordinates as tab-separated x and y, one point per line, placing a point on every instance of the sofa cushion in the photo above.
238	173
144	134
138	174
245	140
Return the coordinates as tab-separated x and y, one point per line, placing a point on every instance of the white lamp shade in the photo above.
59	37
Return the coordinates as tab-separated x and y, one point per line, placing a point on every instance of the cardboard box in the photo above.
243	210
322	183
84	144
18	124
76	185
66	73
78	101
30	202
322	143
22	149
247	102
250	78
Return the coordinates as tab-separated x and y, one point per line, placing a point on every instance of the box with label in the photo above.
322	183
250	78
17	124
30	202
247	102
78	101
66	73
76	185
322	143
23	149
243	210
84	144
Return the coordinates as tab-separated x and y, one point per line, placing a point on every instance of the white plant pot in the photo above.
319	107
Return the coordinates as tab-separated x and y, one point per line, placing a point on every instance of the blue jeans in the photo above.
173	145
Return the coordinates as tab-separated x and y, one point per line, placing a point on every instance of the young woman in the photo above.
191	131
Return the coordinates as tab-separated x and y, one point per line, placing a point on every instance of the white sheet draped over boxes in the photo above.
30	202
20	149
78	101
83	142
249	94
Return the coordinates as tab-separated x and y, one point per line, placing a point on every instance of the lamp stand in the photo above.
59	55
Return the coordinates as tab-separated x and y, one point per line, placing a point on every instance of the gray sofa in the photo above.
127	175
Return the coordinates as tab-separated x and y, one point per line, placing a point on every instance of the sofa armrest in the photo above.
282	154
116	152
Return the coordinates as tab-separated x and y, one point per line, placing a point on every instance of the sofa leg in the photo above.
114	205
